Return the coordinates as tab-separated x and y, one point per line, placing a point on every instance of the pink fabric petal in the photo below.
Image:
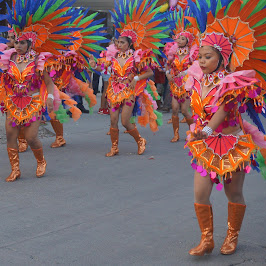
213	175
111	52
247	169
199	168
137	55
194	166
42	58
52	73
192	127
172	51
195	71
193	53
2	47
257	136
214	109
5	58
204	173
57	100
219	187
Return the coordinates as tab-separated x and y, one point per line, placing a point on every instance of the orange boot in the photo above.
205	219
41	163
170	121
175	120
14	161
236	214
140	141
22	142
114	133
58	129
184	120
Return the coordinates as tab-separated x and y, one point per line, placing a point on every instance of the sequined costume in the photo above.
220	154
21	105
119	91
178	67
132	20
224	153
40	28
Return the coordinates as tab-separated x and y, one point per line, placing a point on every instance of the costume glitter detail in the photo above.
178	67
220	154
19	103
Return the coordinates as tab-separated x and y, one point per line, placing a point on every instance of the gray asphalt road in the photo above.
125	210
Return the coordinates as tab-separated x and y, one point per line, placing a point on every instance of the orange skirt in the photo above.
117	98
179	91
222	154
23	110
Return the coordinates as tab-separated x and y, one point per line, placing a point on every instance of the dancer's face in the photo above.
21	47
11	39
208	59
181	41
122	44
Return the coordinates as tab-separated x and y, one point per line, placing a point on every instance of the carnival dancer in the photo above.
181	53
223	146
26	86
73	67
131	67
11	37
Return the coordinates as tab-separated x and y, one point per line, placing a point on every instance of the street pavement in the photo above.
125	210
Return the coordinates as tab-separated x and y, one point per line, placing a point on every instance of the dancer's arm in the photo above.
148	73
215	121
50	90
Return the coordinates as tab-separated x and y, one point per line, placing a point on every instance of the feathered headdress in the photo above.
183	27
89	36
172	4
142	22
240	23
3	28
42	22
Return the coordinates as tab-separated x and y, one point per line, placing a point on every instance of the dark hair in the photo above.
220	58
29	44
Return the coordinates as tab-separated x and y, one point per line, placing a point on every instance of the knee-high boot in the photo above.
14	162
58	129
175	120
140	141
114	133
205	219
41	163
22	142
236	214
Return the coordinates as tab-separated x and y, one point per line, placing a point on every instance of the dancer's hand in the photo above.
50	105
198	135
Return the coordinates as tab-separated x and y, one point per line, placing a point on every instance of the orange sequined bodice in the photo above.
21	82
121	76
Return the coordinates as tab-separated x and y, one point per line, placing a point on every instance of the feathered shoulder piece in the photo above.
5	58
170	49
